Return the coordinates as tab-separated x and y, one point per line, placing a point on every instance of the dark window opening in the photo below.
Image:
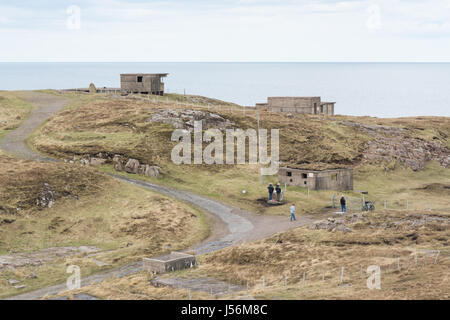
290	180
289	174
334	177
304	175
304	182
139	79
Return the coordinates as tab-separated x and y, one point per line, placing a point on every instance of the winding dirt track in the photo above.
230	225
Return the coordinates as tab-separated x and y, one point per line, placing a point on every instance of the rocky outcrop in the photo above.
46	197
152	171
132	166
394	143
118	163
337	224
184	119
97	162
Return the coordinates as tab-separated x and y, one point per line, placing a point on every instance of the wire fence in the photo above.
355	274
357	204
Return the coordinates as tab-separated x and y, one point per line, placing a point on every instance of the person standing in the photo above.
270	188
343	205
278	191
292	212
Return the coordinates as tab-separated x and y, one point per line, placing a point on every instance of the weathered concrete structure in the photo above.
307	105
146	83
330	179
171	262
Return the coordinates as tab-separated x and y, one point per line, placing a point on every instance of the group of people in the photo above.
277	190
279	196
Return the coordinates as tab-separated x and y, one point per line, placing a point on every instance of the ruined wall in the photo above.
309	105
339	179
295	177
327	108
336	179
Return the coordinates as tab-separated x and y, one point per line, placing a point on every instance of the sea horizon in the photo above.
380	89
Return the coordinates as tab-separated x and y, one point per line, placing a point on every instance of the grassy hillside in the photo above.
394	159
306	263
13	111
44	206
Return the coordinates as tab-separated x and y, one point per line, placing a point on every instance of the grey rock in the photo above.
132	166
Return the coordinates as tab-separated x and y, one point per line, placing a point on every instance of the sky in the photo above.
227	30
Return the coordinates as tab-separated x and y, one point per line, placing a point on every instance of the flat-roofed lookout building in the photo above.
329	179
307	105
145	83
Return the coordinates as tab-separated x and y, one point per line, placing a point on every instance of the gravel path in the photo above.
240	225
14	142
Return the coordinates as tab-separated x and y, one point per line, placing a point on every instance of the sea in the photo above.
362	89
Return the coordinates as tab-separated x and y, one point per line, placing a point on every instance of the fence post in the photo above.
304	279
437	256
342	275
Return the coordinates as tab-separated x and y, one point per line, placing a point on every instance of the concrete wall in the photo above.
172	262
301	178
336	179
339	179
327	108
306	105
151	84
309	105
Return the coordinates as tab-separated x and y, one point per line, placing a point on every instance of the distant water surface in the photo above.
376	89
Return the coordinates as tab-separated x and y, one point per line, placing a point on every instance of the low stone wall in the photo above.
172	262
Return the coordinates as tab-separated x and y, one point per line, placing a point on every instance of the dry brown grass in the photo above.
283	260
323	253
13	111
135	287
22	181
126	222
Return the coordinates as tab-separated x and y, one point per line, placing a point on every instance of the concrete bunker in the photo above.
145	83
305	105
171	262
329	179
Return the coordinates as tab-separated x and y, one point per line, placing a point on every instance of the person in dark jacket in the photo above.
278	191
343	204
270	188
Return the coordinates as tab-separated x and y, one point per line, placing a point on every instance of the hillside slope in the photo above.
409	153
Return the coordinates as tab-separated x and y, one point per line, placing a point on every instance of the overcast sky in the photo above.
228	30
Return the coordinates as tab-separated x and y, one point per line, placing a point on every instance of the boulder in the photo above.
46	197
118	163
141	169
97	162
132	166
152	171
